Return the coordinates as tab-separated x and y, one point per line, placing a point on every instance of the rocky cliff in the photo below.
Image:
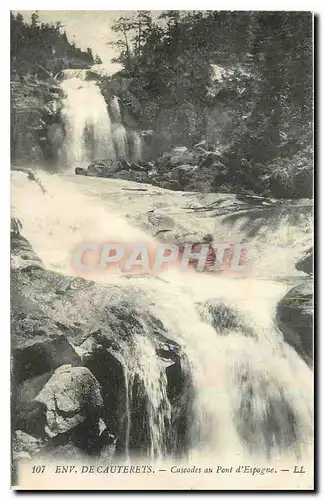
72	343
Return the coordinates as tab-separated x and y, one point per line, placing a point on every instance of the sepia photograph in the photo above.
161	248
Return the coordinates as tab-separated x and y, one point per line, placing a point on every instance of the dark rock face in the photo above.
181	395
295	320
113	387
55	135
42	354
224	319
80	171
23	256
305	264
71	342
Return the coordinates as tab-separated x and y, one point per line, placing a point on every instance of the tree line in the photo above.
267	78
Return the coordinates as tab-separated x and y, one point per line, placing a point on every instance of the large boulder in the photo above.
103	168
96	329
71	396
80	171
38	348
306	262
295	319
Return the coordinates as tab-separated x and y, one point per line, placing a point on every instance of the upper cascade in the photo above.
93	127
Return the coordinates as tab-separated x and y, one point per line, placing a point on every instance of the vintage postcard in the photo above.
162	250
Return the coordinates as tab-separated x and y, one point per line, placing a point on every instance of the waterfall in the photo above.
120	141
135	145
88	131
114	108
143	364
252	394
119	131
93	130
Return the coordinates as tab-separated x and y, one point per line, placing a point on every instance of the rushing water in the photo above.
88	131
136	145
93	130
252	393
143	363
120	141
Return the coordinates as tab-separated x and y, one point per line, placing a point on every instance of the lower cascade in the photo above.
186	365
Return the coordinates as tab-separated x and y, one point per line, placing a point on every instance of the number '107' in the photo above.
38	469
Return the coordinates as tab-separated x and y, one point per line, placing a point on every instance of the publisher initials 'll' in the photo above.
299	469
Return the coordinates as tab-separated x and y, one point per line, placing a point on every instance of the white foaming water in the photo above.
115	109
136	145
249	387
93	130
227	368
87	123
276	238
57	222
127	144
120	141
142	362
144	370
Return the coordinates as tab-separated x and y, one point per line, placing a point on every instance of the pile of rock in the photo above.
121	169
179	170
68	378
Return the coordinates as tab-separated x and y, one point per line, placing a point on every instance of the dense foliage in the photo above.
239	81
39	51
254	69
